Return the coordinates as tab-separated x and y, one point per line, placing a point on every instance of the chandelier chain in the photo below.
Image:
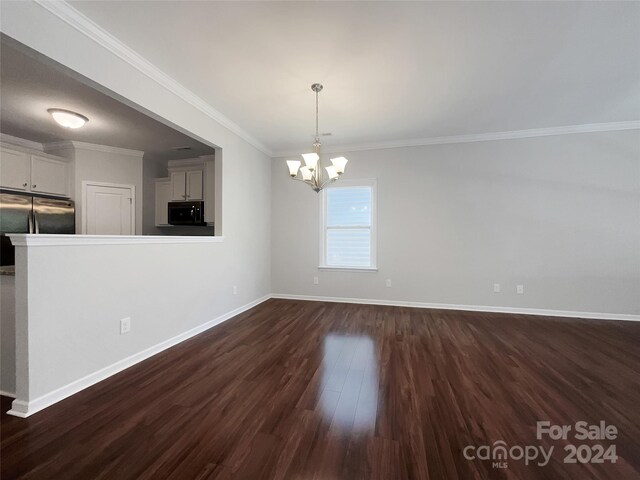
316	115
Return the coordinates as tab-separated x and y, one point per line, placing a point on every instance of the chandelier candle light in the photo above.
311	173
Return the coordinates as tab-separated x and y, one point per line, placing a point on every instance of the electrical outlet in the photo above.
496	288
235	289
125	325
316	281
388	283
520	289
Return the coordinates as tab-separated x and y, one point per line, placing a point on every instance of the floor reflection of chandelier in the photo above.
357	385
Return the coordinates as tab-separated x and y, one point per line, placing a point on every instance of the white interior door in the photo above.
109	209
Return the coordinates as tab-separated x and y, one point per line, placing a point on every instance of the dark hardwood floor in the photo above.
307	390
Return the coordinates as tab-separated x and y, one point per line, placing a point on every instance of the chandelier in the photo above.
311	172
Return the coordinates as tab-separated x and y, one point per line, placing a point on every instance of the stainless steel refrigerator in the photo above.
23	213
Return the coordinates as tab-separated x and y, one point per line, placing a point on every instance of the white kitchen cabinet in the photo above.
163	197
37	173
187	185
14	169
194	185
178	186
49	176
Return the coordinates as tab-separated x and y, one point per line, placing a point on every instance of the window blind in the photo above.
348	227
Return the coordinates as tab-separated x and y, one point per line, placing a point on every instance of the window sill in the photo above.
348	269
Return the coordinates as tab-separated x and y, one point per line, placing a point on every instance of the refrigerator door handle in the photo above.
30	219
35	217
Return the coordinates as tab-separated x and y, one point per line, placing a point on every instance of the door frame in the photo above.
87	183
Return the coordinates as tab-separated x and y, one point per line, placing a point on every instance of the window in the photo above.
348	225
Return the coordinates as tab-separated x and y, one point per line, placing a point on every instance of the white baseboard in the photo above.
21	408
469	308
4	393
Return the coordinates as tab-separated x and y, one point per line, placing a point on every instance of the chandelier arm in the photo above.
302	180
330	180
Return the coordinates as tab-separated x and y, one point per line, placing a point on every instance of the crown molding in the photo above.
187	162
480	137
20	142
87	27
65	144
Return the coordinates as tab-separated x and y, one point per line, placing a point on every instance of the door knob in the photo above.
33	186
24	184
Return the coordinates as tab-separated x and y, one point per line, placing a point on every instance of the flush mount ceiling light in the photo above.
67	118
311	173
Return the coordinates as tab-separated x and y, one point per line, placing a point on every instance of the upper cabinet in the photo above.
36	173
194	185
187	181
49	175
14	169
179	186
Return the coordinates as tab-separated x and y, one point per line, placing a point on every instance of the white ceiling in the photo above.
31	83
391	70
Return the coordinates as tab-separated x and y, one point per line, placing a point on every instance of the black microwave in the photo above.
186	213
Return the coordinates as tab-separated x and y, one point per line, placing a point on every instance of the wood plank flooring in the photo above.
309	390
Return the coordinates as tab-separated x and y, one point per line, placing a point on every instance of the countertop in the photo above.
9	270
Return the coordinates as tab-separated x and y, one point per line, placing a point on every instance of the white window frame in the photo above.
341	183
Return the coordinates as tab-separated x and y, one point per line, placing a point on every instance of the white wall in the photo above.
107	167
558	214
104	164
77	295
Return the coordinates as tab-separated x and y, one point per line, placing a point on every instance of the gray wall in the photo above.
7	335
558	214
